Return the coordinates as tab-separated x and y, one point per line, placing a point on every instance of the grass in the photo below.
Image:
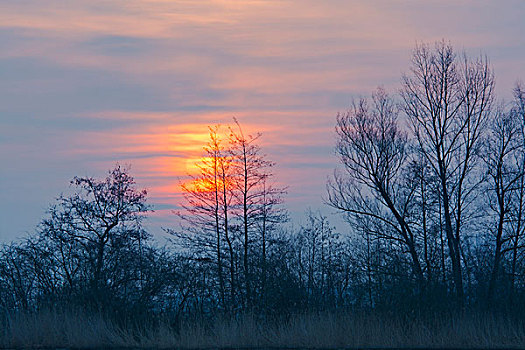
76	330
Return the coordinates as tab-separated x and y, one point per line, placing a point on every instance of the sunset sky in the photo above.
86	84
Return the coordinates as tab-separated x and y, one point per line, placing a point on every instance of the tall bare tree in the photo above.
204	208
447	100
504	147
373	151
232	200
518	212
255	198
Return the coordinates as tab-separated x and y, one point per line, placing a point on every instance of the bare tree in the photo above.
98	216
373	151
250	172
232	200
503	147
270	215
17	280
318	248
256	200
518	212
448	100
77	254
205	208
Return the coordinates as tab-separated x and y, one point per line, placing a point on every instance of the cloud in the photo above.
89	83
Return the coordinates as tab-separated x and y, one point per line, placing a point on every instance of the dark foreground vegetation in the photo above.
433	255
325	330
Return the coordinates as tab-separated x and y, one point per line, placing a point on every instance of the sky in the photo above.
88	83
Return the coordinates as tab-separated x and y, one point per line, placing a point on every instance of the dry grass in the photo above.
61	329
75	330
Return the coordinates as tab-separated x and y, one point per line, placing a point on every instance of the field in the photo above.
77	330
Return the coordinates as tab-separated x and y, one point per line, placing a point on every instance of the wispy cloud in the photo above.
89	83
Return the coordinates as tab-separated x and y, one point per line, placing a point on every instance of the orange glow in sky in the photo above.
86	84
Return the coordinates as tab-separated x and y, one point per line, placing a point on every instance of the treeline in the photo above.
432	184
438	199
92	253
